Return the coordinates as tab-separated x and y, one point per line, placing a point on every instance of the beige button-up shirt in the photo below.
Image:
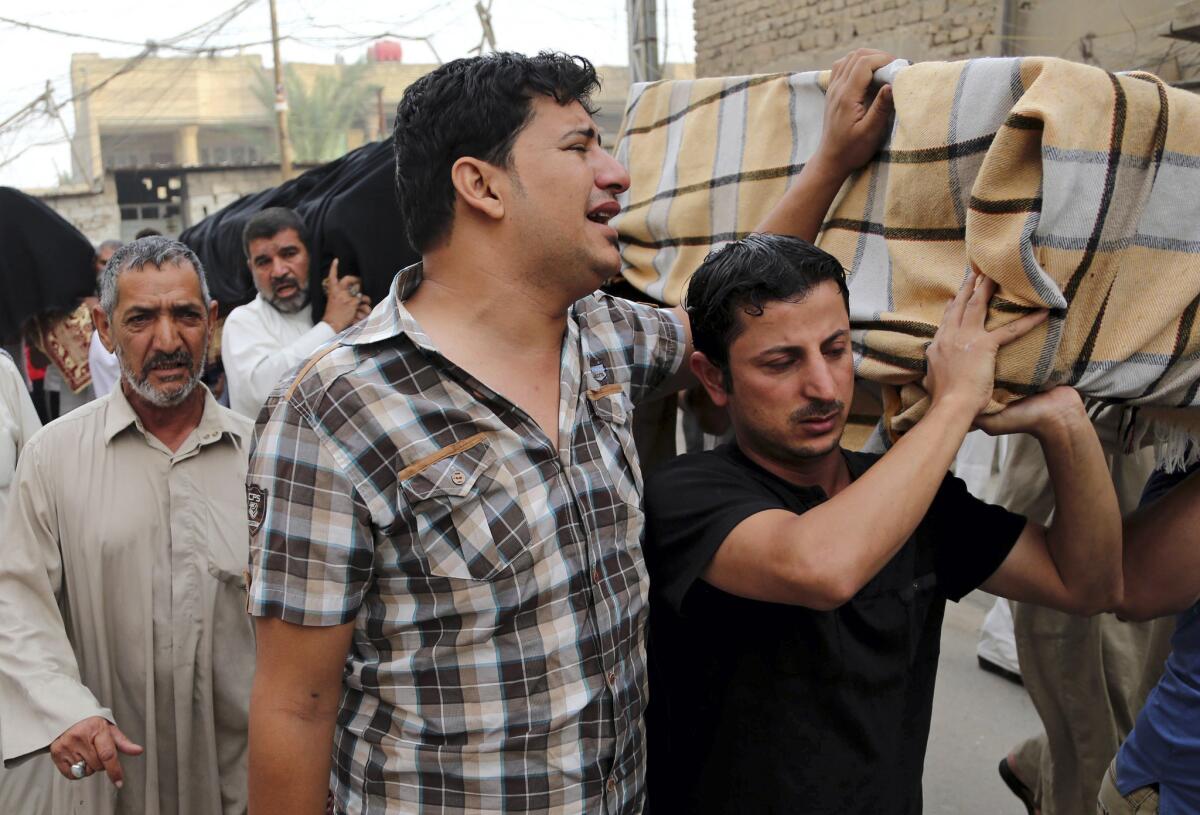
122	595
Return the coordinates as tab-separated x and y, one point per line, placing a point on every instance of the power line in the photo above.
170	44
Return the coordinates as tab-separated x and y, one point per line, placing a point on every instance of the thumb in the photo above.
882	107
124	743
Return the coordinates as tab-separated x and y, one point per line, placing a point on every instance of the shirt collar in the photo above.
390	318
214	421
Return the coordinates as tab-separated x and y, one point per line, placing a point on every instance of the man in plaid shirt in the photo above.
444	503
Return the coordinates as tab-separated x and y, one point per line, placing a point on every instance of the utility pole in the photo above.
281	105
488	36
643	40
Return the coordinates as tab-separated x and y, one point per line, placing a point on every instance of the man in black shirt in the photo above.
798	589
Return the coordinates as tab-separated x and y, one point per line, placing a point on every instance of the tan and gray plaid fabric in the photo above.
1075	189
495	579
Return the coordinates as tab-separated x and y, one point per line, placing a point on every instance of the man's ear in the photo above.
475	181
711	377
103	328
213	309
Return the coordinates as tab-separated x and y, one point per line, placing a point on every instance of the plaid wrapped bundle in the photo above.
1073	188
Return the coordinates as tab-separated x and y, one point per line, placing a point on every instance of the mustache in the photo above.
175	359
286	280
817	410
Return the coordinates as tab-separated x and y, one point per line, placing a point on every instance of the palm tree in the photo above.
320	114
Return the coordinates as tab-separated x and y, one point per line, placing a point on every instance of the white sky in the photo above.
32	154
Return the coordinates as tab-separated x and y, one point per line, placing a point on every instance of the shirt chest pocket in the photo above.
468	522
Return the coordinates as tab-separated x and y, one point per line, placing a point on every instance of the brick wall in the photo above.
754	36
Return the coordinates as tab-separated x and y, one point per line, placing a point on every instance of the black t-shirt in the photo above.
769	708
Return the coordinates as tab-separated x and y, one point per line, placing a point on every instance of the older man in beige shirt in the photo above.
125	649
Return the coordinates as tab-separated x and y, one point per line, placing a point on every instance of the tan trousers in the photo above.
1142	801
1087	677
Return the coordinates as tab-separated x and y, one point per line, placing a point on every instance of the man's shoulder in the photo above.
68	434
600	308
306	384
234	421
245	310
342	366
9	369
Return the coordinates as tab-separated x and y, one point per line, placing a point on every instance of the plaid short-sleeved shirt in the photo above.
496	584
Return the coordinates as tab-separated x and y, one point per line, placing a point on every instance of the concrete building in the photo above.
162	142
735	37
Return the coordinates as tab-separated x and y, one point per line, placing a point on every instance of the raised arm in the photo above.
854	127
823	557
1075	564
1162	554
293	708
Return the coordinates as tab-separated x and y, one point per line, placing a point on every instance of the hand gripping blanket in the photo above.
1075	189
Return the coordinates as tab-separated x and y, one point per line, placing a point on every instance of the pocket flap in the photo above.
451	471
610	403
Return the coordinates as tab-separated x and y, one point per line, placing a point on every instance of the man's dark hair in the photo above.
747	275
472	107
270	222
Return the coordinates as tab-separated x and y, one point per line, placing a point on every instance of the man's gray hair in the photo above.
155	250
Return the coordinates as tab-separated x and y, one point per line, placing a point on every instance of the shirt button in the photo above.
596	575
612	785
612	680
458	477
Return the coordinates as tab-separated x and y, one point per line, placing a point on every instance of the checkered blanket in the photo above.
1074	189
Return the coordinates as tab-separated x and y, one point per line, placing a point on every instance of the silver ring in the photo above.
79	769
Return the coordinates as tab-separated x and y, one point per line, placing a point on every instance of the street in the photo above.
977	718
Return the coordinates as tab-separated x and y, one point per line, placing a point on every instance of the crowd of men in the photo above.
463	596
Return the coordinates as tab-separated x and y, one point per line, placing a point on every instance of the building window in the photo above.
129	213
150	213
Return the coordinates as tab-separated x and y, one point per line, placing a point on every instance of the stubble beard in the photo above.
287	305
780	446
140	383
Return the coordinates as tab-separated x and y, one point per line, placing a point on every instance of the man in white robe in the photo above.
274	332
125	649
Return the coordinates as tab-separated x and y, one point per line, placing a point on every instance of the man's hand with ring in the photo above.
342	306
90	746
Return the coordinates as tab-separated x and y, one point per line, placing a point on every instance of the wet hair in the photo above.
154	250
270	222
744	277
472	107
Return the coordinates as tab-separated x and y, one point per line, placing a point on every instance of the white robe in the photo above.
259	344
122	595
